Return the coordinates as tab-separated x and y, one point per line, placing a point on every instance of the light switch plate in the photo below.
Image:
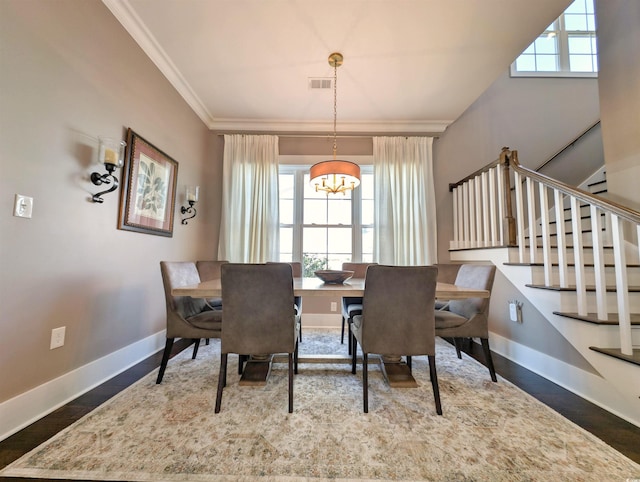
23	206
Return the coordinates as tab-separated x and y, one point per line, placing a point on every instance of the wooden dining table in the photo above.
397	373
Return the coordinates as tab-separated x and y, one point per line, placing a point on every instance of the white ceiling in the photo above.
409	65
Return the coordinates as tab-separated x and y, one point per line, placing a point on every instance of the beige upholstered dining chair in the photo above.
352	305
468	318
208	270
268	324
397	319
186	317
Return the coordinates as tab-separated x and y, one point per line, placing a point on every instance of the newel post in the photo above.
509	225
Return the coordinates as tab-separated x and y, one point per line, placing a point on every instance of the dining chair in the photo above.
267	325
209	270
468	318
352	305
447	273
186	317
296	269
397	319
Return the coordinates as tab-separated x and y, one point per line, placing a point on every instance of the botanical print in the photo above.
152	189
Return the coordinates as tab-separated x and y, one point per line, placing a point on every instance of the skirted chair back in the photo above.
186	317
468	318
259	316
397	319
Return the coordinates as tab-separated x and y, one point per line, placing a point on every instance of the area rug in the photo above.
169	432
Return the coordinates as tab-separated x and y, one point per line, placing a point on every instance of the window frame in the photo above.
299	170
558	30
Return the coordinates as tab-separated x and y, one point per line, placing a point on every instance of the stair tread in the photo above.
573	287
587	265
617	353
593	318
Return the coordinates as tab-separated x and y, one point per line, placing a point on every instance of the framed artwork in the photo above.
148	194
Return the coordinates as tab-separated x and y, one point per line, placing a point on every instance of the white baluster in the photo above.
520	216
455	218
562	240
546	238
533	231
622	285
486	213
598	263
578	256
501	201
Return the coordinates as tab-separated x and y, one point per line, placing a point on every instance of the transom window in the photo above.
324	231
567	48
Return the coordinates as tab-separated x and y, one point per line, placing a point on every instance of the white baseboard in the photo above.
587	385
24	409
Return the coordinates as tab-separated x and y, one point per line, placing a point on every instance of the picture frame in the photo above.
148	194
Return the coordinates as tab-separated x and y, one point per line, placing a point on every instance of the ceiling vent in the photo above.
320	83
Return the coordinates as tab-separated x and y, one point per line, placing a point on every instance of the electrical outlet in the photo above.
57	337
23	206
334	306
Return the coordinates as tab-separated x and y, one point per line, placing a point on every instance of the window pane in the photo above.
578	6
313	262
314	240
339	240
581	63
339	211
367	242
285	186
286	244
335	260
546	45
366	186
286	211
315	211
579	45
573	23
367	211
547	63
526	63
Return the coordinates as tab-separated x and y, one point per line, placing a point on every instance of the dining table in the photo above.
396	372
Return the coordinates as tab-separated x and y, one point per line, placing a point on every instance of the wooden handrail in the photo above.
511	159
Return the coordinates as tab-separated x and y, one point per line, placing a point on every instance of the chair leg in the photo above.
487	358
434	383
165	359
295	360
365	382
409	362
456	343
354	345
342	335
196	345
222	380
290	382
206	341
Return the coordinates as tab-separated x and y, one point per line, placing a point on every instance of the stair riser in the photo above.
568	302
537	275
587	254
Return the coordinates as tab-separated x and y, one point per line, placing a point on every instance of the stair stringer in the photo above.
617	390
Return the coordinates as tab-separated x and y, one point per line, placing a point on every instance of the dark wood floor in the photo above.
616	432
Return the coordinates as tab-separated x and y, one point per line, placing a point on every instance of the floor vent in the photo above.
320	83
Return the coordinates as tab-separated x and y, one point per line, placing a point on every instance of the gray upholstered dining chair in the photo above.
468	318
352	305
397	319
186	317
296	269
268	324
209	270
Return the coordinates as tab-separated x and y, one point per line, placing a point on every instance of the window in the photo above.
567	48
324	231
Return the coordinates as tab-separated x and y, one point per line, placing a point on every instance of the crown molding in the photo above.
127	16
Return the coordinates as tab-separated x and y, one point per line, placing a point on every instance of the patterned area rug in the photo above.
489	431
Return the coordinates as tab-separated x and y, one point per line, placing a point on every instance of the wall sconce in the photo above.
111	154
192	198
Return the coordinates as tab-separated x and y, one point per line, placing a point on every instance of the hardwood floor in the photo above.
616	432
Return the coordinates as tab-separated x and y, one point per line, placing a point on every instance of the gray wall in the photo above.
68	73
619	82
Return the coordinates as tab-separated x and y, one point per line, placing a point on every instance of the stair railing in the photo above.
487	212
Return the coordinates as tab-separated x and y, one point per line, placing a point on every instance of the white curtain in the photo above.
249	228
405	205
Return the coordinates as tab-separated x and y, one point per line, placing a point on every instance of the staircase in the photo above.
574	256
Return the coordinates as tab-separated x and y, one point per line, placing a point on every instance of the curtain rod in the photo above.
330	136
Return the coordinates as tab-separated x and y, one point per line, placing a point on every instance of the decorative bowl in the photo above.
331	276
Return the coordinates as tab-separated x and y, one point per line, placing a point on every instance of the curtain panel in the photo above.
249	227
405	210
